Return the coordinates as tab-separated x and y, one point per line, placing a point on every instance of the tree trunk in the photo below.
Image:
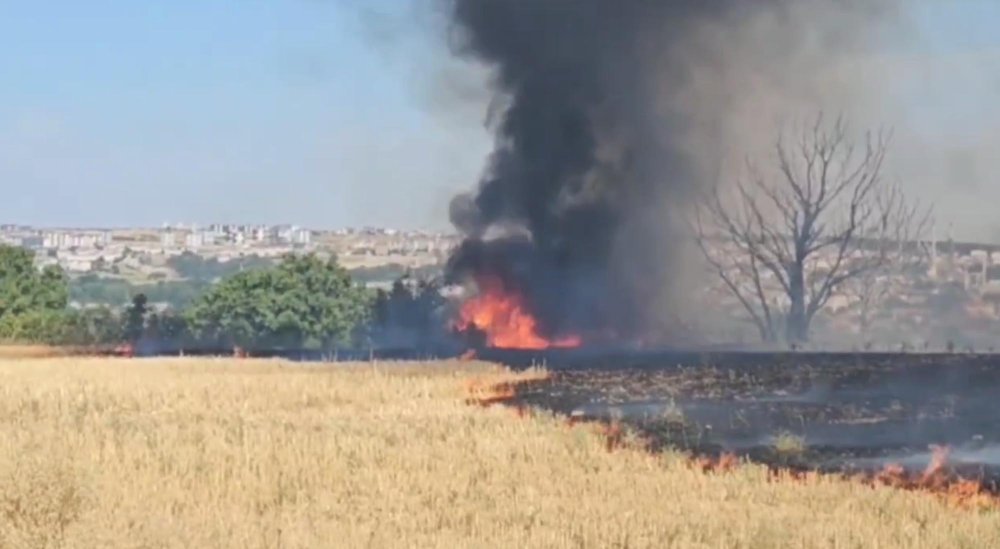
864	319
766	332
797	322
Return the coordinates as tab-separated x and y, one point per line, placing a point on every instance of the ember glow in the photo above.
505	321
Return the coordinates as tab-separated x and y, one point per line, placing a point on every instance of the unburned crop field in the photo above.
253	453
849	413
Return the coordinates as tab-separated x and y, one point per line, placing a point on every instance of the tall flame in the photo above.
505	321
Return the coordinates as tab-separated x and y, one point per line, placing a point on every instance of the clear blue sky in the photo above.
308	111
124	112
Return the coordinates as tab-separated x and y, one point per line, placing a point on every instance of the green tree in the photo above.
96	326
196	267
304	302
172	328
135	319
99	290
32	301
35	326
24	289
92	288
408	315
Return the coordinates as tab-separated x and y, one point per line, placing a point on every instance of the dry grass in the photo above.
788	444
199	453
17	350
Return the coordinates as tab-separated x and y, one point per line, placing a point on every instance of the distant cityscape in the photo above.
144	250
952	294
949	294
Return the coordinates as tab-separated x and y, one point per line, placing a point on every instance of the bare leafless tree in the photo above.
784	240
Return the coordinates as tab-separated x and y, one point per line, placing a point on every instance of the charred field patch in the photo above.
849	413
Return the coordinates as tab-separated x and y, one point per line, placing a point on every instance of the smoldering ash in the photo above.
579	209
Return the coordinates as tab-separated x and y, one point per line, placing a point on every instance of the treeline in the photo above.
192	266
395	271
301	302
199	274
93	289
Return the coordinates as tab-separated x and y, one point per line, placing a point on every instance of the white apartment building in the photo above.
75	239
168	239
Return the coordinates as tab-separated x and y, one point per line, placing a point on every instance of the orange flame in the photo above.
502	388
502	317
936	478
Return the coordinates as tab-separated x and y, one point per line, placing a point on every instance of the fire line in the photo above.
505	321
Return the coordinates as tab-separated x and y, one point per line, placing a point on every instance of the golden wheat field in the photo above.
228	453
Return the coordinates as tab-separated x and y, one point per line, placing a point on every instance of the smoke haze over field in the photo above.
608	116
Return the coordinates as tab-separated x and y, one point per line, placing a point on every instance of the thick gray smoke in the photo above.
608	116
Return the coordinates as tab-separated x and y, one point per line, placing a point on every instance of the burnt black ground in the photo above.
830	412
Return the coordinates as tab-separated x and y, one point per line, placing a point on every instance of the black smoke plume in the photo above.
579	209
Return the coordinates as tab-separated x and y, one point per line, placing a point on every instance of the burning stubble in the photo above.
608	117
